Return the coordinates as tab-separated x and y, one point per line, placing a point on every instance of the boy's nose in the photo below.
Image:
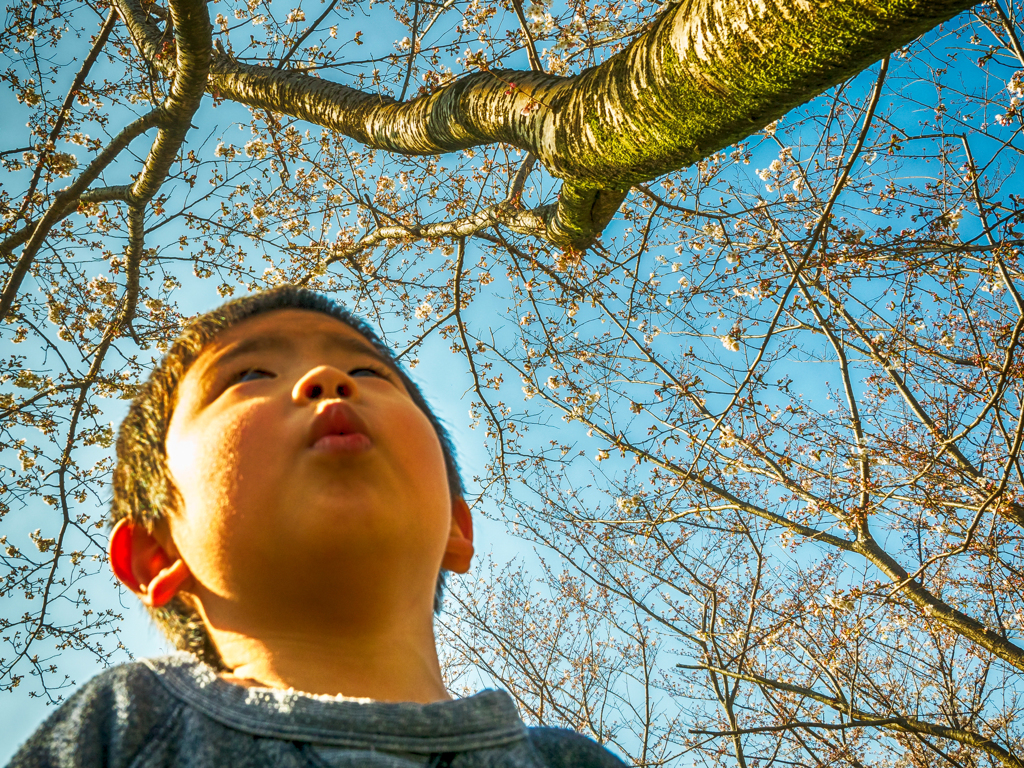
324	382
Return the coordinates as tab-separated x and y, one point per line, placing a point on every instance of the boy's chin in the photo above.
344	584
354	511
320	545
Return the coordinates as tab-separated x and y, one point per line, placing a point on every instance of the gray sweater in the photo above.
175	711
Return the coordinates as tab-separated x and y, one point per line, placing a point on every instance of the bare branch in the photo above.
64	203
899	723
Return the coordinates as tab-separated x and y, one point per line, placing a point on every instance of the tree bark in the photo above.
704	75
707	74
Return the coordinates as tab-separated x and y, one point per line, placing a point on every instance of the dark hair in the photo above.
143	489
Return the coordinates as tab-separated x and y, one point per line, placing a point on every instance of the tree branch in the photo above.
174	116
62	114
63	204
531	48
194	46
704	75
901	723
478	385
307	33
507	213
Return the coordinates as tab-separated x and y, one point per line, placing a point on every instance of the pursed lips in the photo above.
337	428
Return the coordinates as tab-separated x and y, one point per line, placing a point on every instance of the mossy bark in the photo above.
704	75
707	73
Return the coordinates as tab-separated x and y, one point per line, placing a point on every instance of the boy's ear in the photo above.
143	565
459	552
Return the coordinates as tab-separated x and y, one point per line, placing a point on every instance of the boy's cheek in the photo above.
223	432
217	466
418	448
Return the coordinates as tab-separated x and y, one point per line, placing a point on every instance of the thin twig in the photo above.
477	384
816	234
412	49
65	202
62	115
307	33
531	48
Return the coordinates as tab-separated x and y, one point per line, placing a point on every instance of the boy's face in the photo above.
304	466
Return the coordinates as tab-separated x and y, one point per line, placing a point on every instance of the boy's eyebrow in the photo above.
257	344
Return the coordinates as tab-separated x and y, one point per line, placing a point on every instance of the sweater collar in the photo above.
487	719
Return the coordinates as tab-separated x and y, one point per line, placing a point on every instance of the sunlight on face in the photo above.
304	465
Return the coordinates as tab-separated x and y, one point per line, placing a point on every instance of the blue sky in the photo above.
441	374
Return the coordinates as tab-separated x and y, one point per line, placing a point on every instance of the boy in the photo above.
284	504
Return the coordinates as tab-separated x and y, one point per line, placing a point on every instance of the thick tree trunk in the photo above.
706	74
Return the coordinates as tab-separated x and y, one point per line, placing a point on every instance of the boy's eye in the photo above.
252	374
368	372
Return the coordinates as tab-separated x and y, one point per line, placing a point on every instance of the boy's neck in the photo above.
398	664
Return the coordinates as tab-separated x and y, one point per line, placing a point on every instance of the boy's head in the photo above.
278	451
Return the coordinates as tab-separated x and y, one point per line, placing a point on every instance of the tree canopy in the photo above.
736	284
